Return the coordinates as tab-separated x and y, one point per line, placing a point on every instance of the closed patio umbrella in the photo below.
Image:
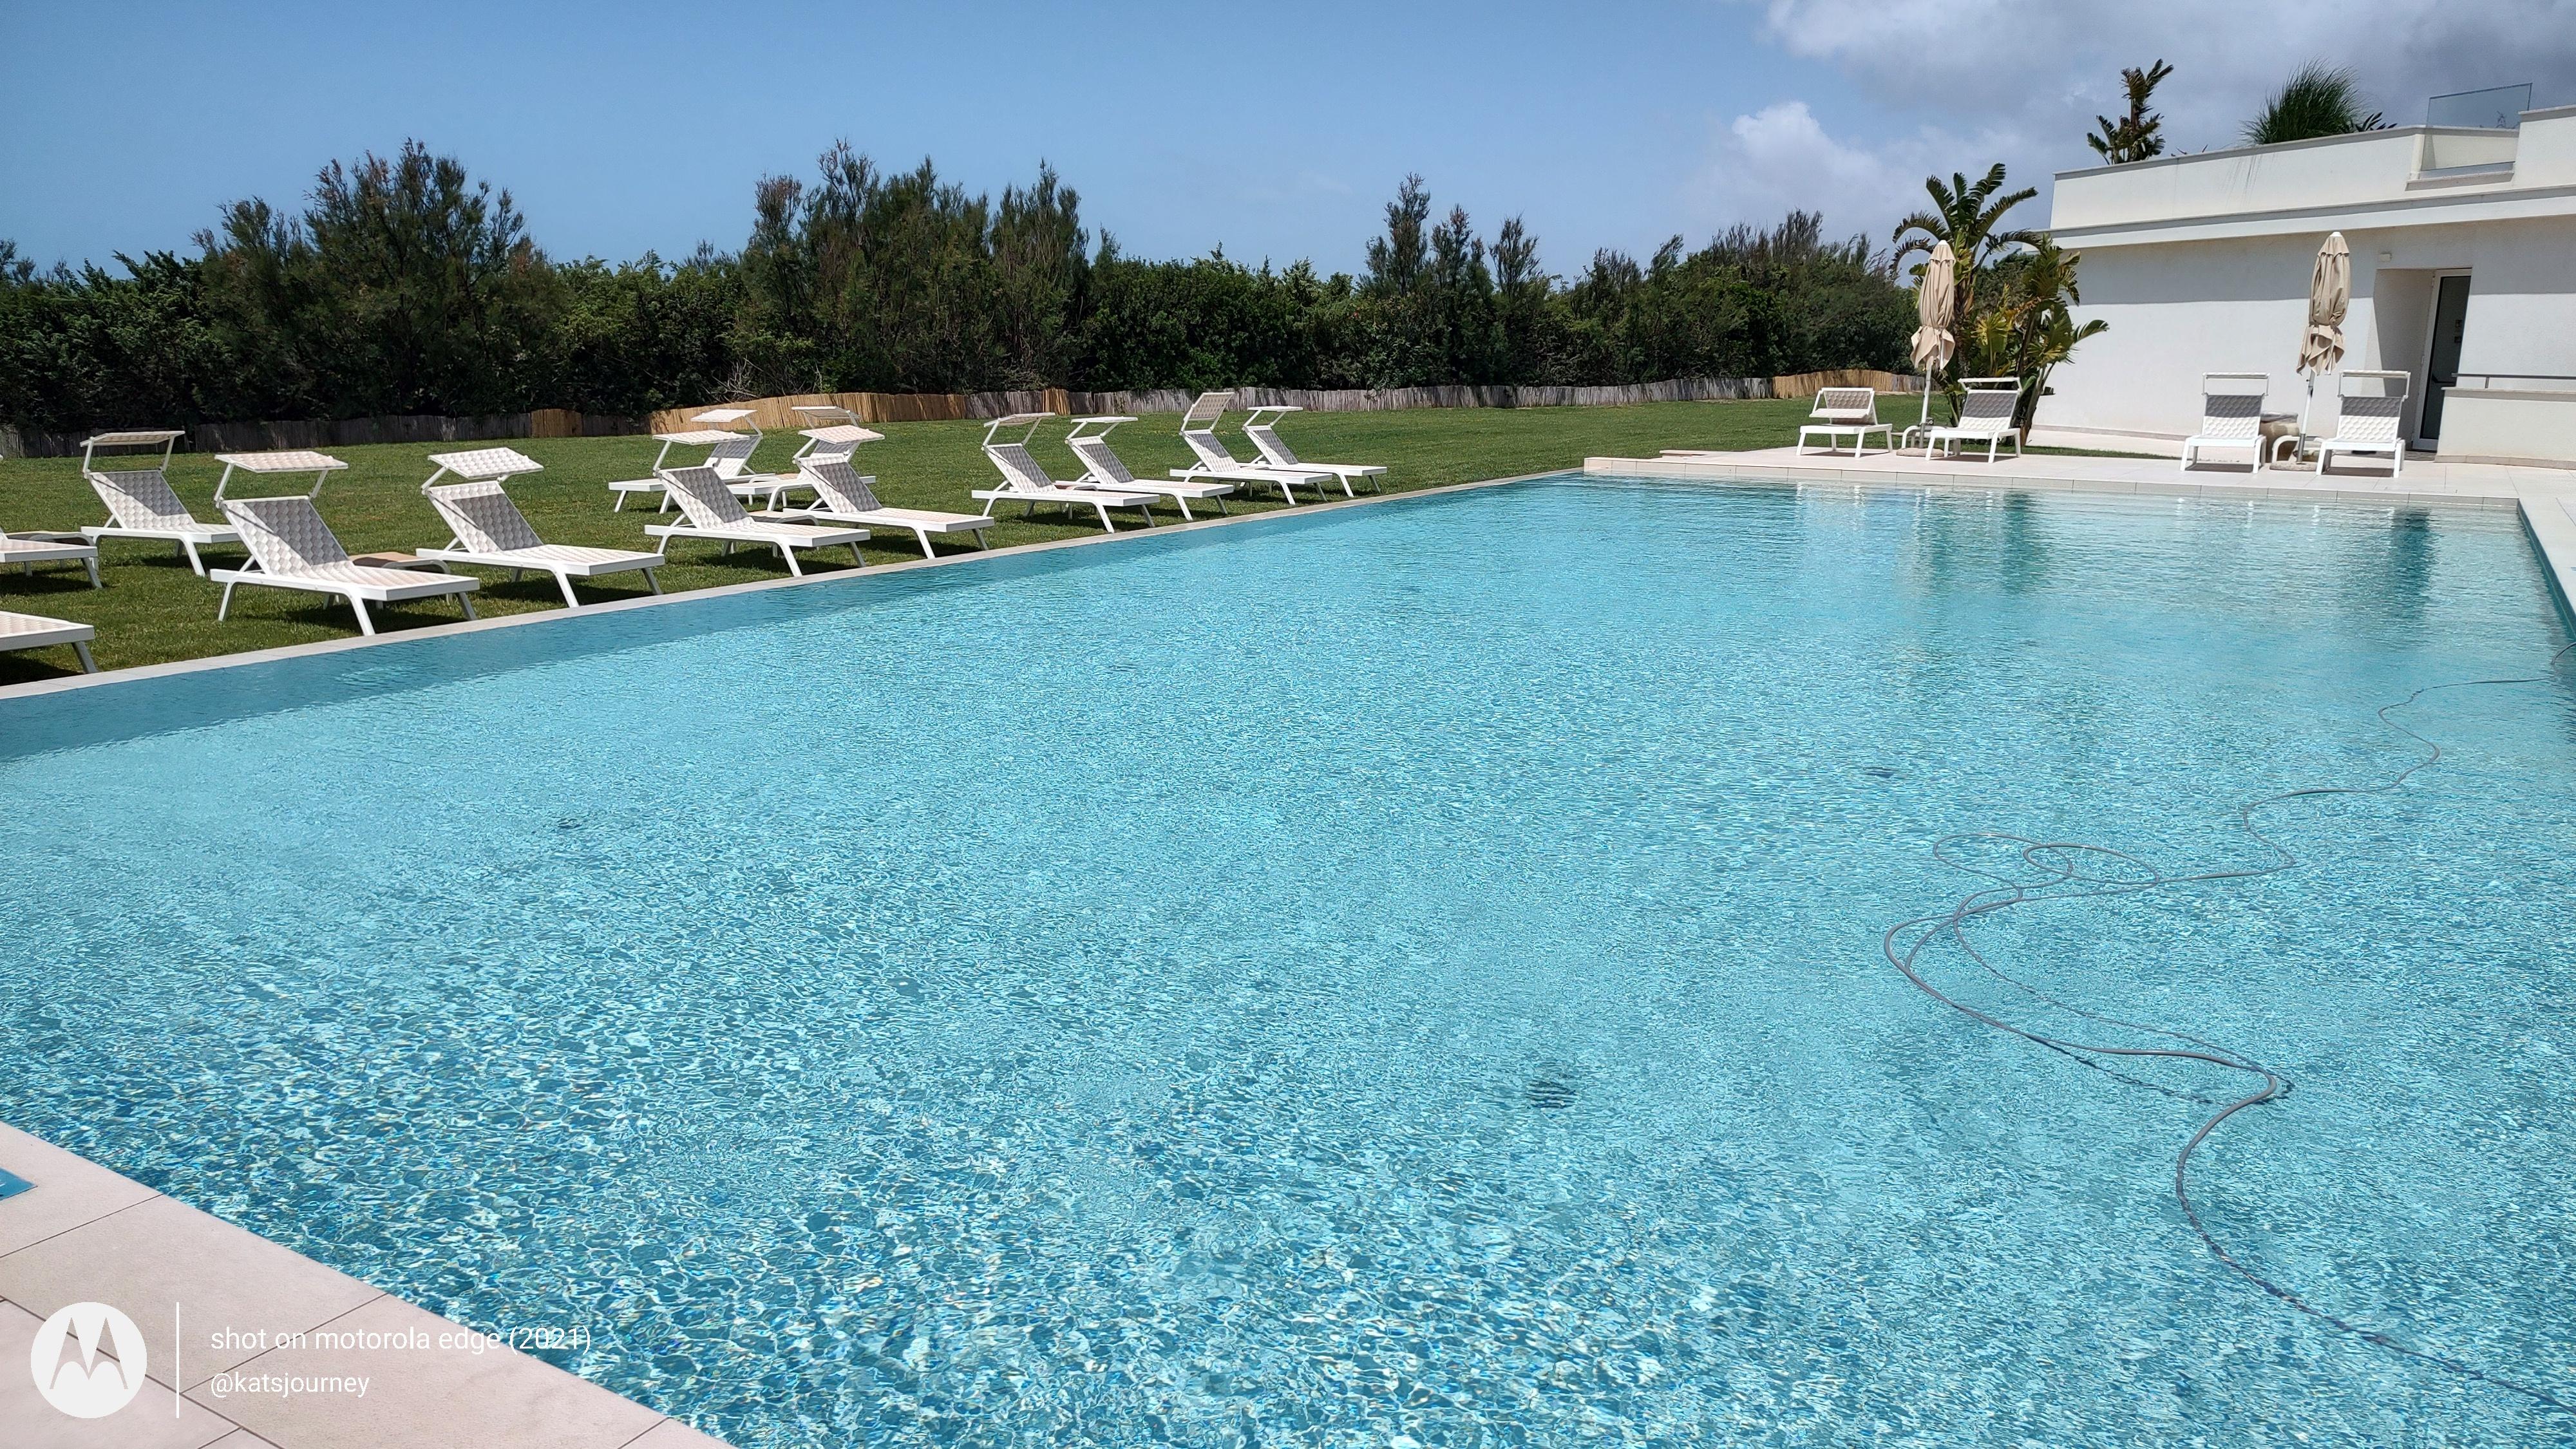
1936	295
2329	296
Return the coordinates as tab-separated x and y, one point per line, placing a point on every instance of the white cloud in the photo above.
1964	83
1781	158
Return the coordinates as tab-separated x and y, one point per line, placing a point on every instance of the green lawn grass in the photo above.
154	610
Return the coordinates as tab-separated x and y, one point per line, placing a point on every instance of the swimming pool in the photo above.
1407	972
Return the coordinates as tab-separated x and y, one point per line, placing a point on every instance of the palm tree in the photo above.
2029	326
2315	101
2136	136
1965	216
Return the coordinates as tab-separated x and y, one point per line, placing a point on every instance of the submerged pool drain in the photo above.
2073	870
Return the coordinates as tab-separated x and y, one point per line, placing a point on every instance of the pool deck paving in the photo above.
229	1319
2546	497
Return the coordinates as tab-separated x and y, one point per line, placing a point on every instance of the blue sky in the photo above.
644	126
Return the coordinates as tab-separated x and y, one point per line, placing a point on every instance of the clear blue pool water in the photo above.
1405	975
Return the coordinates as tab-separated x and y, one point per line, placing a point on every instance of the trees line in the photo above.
403	286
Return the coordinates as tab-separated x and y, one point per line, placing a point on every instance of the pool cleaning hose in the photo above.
2072	870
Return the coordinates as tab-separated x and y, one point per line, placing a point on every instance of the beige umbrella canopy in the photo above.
1936	296
2329	295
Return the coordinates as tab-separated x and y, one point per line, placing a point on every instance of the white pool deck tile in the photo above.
2545	497
84	1233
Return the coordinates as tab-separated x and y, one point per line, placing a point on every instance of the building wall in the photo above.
2180	309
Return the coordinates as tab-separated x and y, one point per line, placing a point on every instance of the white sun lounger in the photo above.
836	435
1262	427
713	512
1102	468
1985	416
139	501
23	551
2231	415
845	496
292	548
1023	481
491	532
2367	420
728	453
34	631
1845	412
1215	460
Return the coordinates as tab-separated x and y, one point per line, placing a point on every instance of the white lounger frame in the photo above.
1261	425
35	631
140	503
843	495
489	531
2230	417
2372	428
1103	469
292	548
23	551
728	452
1841	411
1216	460
836	434
1024	481
1985	416
713	512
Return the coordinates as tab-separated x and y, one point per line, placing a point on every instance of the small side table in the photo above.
2279	429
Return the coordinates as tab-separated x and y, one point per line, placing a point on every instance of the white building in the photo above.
2463	275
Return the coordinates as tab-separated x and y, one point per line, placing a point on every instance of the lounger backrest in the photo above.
702	495
1845	405
844	489
1211	451
1988	409
284	535
1019	470
730	459
2231	405
140	499
1206	409
485	519
2373	404
1274	449
1104	464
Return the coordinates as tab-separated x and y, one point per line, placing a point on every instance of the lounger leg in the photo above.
365	624
620	505
1221	509
92	565
224	607
466	602
786	553
856	557
653	579
1105	524
923	535
1185	510
565	580
88	665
